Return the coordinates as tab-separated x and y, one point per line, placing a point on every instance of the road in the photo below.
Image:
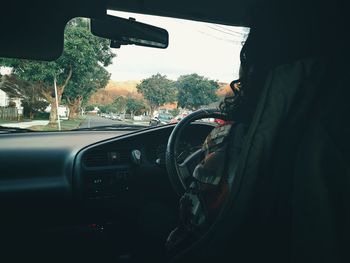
95	121
89	122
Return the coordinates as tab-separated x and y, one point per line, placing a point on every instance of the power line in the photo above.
222	31
230	30
236	34
219	38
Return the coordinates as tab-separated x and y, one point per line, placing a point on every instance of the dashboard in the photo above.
111	169
71	172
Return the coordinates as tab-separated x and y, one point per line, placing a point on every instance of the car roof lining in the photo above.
35	29
234	12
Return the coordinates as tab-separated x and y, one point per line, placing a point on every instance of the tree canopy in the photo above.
89	107
195	91
88	55
123	105
157	90
120	104
135	106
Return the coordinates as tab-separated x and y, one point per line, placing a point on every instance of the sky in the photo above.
194	47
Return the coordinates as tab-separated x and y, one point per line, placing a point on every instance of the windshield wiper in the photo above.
125	127
4	129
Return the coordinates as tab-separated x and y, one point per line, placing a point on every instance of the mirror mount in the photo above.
123	31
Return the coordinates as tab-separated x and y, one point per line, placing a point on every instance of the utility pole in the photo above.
58	115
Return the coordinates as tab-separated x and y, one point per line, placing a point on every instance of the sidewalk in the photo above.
25	124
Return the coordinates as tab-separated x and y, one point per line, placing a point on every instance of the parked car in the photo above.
163	118
178	118
115	117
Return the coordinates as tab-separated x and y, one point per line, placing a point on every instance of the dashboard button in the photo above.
95	193
97	180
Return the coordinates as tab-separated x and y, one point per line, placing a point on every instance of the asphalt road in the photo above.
95	121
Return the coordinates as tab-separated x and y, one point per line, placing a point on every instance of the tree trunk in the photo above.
53	114
49	95
74	106
73	111
31	114
153	108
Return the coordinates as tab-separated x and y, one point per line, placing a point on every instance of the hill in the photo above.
223	90
113	90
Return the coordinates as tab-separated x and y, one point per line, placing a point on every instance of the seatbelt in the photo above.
234	149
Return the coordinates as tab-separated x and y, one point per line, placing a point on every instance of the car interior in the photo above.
98	196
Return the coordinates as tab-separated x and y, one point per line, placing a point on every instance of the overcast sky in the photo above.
194	47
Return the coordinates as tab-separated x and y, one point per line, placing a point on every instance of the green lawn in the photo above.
65	125
6	121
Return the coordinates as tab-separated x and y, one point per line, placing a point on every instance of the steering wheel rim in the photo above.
176	177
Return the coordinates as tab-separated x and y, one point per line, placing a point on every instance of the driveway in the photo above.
24	125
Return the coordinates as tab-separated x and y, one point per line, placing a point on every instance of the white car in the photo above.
116	117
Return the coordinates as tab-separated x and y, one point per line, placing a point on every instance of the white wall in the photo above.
63	111
4	99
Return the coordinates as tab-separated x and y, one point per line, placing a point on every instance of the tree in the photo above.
120	103
32	101
157	90
91	54
78	71
195	91
41	75
89	107
103	108
79	92
109	108
135	106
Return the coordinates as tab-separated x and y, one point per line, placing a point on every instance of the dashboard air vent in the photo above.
106	158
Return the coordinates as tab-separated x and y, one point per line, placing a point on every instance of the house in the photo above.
4	98
5	101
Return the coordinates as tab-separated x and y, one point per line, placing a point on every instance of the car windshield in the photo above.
165	117
94	86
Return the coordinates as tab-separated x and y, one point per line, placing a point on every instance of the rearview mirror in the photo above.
123	31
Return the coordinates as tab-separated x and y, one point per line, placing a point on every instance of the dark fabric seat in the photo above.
290	194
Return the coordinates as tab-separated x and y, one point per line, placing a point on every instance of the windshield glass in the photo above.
93	85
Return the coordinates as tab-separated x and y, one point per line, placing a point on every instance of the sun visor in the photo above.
35	29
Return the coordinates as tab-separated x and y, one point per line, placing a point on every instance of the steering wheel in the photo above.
180	174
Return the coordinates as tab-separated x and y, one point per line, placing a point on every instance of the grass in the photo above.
65	125
7	121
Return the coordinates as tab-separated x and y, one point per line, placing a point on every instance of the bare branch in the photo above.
67	79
